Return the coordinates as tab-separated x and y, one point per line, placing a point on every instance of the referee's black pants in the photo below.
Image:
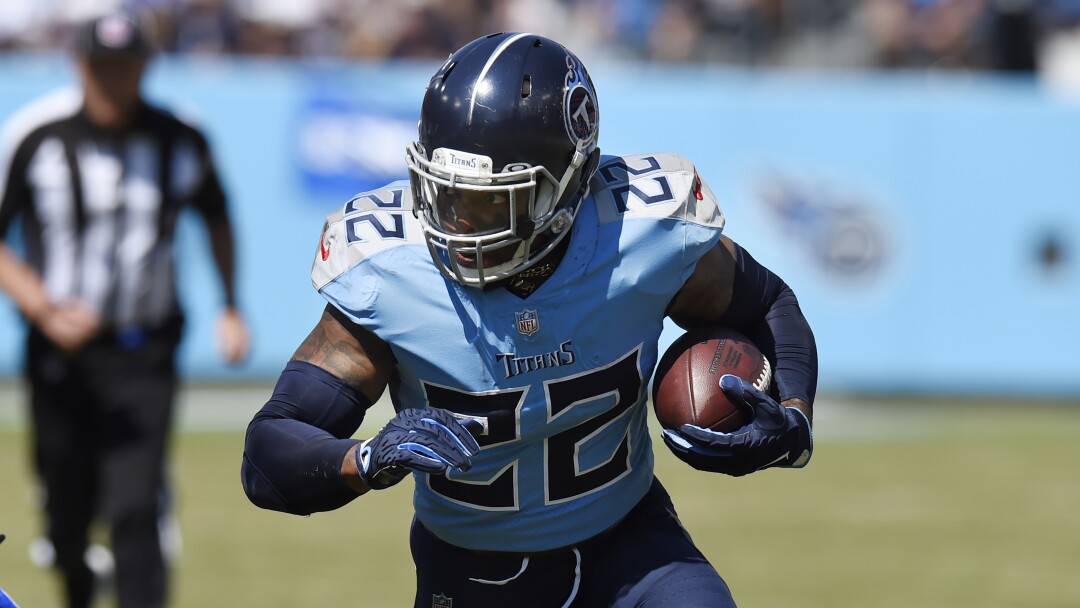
101	420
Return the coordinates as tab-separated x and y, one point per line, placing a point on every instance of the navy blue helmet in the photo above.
507	145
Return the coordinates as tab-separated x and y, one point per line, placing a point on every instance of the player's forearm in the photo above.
296	445
23	285
765	308
293	467
795	350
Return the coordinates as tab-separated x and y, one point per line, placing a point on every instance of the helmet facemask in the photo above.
483	226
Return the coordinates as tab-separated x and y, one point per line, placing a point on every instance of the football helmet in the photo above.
507	145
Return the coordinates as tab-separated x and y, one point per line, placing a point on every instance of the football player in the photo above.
512	295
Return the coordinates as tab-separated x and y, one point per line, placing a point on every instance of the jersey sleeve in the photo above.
331	254
18	142
657	186
368	225
14	191
667	214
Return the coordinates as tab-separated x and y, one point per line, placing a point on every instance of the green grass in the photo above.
910	504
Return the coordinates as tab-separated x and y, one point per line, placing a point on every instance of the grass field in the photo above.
905	504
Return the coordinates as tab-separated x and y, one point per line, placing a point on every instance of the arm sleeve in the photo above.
765	309
296	442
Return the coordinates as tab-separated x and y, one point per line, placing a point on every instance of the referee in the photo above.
97	181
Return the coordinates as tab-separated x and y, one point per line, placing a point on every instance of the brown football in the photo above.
686	387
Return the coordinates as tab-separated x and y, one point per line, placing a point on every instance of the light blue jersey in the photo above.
558	379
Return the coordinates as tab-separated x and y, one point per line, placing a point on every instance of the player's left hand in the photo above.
778	436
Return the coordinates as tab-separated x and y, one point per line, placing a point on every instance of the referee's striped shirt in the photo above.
99	211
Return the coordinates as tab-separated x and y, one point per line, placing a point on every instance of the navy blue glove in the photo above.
778	436
427	439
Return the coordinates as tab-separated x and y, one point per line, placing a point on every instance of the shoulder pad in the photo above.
368	223
654	185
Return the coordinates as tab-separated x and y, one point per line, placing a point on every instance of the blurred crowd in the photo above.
1009	35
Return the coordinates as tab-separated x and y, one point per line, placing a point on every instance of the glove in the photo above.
427	439
777	436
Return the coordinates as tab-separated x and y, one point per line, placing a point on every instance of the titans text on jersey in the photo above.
516	365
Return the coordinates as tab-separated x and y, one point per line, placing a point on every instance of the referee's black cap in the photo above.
119	34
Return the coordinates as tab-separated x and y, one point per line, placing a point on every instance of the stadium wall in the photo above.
929	224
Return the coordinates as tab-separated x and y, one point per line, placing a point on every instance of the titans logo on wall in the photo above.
845	235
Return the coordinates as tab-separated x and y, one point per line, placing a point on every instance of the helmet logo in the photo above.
579	104
456	161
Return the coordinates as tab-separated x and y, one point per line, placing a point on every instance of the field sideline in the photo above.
906	503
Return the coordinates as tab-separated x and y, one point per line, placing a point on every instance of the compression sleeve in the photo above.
296	442
765	309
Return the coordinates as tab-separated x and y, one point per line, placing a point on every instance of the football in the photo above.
686	387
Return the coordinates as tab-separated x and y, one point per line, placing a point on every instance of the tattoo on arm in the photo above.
359	358
706	295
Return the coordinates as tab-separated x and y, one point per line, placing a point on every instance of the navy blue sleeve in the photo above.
295	444
765	309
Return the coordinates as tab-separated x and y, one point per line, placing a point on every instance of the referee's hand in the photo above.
234	339
69	325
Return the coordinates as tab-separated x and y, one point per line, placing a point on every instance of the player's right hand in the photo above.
429	440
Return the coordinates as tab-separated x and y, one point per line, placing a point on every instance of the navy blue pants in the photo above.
647	560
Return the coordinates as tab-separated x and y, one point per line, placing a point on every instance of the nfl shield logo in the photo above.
441	601
528	322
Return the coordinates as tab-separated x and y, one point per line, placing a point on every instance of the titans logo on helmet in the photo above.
580	106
